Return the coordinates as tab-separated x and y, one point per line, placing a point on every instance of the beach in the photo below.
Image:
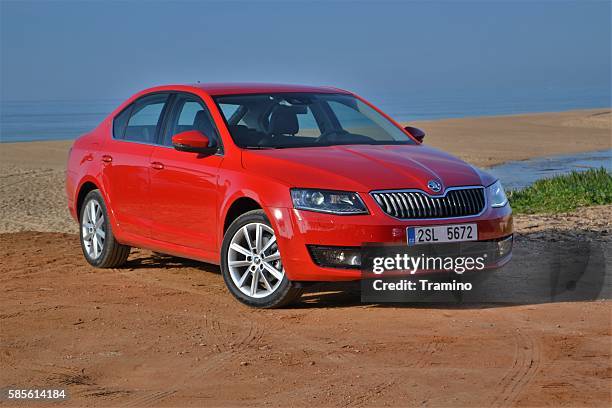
32	173
165	331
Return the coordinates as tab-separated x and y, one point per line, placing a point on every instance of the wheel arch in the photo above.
85	188
238	207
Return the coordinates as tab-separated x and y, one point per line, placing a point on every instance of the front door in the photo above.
184	185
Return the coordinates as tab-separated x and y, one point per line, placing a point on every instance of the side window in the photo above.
189	114
145	117
120	122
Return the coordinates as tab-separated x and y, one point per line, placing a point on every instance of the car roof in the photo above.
254	88
231	88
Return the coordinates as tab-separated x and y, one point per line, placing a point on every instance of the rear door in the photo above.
127	167
184	185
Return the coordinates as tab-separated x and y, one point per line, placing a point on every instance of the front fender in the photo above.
268	193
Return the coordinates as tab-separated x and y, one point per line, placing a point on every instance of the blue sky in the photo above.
102	50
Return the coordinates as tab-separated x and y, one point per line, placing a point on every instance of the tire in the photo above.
98	243
255	263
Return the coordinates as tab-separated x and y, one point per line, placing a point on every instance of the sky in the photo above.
57	50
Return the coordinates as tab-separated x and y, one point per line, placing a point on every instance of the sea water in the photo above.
516	175
67	119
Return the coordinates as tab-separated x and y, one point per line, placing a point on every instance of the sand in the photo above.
492	140
164	331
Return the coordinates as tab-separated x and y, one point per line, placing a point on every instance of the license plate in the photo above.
442	233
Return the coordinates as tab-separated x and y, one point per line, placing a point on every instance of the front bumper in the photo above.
297	229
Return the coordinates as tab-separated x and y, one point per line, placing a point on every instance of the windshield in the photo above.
284	120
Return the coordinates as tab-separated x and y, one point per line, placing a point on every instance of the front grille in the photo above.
461	202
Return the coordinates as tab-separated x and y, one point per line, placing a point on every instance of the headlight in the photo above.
328	201
497	196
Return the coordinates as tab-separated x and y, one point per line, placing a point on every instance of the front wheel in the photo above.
251	263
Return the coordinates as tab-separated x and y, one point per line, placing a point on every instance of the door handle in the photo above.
157	165
87	157
106	158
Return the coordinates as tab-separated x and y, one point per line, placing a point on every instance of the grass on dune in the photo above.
564	193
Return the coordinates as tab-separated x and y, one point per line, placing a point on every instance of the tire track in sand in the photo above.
525	365
229	342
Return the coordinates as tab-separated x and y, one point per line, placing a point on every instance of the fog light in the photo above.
504	247
336	257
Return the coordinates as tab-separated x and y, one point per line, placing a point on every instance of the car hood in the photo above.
363	168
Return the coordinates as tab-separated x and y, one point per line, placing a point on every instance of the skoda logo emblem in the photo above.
434	185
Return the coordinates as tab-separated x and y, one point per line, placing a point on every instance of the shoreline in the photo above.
492	140
478	140
402	122
509	115
32	173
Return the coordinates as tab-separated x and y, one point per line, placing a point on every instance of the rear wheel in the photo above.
99	245
251	263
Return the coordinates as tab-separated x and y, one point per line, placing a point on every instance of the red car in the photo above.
278	184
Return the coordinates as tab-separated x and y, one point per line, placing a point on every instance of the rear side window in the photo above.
144	119
120	123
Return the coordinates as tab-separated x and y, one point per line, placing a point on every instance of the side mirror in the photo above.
416	132
193	141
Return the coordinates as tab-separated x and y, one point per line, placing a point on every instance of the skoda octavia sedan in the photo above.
280	185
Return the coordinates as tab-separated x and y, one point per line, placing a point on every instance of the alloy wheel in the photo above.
93	229
254	260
